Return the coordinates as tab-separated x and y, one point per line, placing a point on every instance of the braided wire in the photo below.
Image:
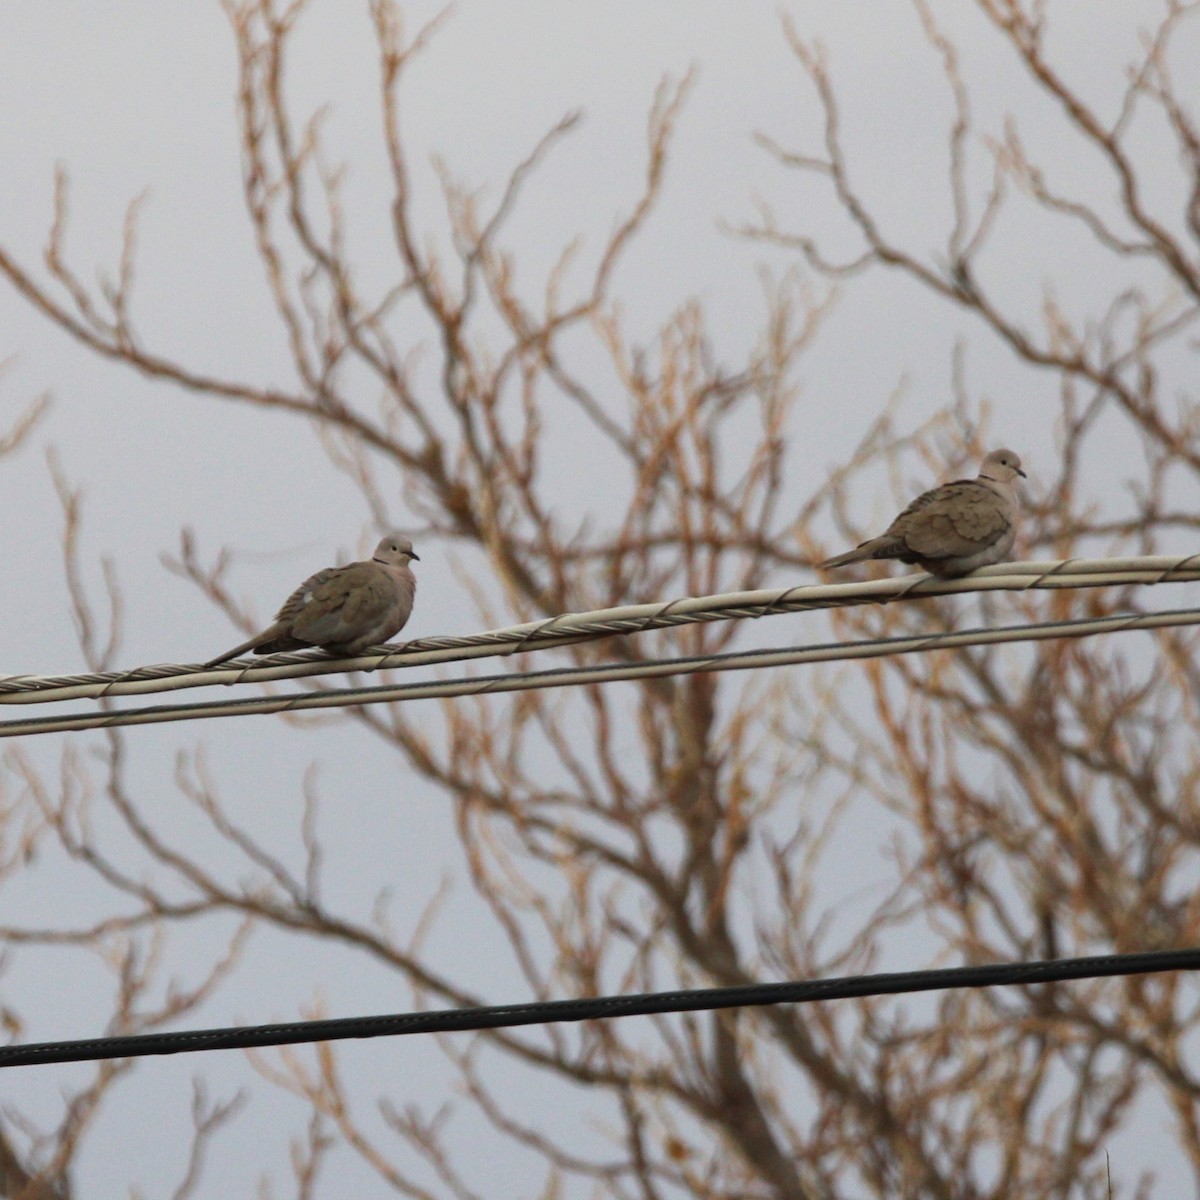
603	673
572	628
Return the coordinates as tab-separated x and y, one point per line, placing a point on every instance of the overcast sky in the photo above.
136	96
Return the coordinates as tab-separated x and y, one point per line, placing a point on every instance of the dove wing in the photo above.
342	606
954	520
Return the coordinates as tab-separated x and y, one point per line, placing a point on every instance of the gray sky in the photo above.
137	96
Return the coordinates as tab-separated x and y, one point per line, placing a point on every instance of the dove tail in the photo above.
880	547
859	554
270	641
236	652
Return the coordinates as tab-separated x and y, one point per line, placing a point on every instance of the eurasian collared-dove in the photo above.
952	529
343	609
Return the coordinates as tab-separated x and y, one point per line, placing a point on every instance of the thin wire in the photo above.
504	1016
604	673
572	628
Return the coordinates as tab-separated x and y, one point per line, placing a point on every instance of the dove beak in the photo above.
414	556
1020	472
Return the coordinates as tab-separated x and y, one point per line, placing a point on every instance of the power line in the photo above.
604	673
462	1020
572	628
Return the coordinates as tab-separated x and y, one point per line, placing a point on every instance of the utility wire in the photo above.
604	673
572	628
462	1020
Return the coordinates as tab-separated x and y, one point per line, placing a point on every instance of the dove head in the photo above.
1001	466
395	550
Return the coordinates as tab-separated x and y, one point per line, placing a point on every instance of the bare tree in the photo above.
669	833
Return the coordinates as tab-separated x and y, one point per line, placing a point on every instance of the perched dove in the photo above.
952	529
343	609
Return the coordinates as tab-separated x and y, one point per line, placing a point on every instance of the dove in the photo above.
343	609
952	529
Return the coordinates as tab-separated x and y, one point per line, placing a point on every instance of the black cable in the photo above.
601	1008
